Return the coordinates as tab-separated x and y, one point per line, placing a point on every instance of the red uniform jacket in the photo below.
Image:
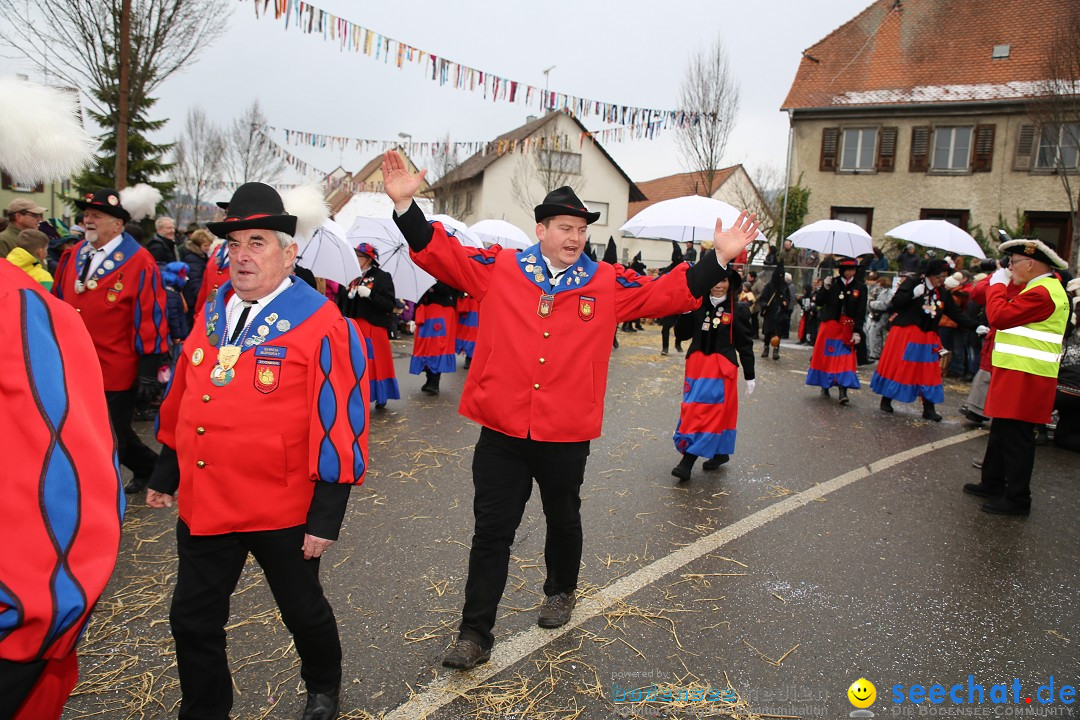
215	275
62	504
294	412
125	313
1013	394
978	296
540	366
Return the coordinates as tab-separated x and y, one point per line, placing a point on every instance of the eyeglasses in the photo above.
40	216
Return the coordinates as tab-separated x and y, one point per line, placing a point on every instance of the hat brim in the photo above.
1042	252
117	211
278	223
546	210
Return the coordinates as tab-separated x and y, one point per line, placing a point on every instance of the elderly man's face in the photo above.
100	227
26	220
1025	268
167	229
562	239
258	262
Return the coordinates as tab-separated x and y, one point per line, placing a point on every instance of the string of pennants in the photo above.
347	35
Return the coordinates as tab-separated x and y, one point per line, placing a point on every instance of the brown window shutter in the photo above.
1025	148
920	149
886	154
830	142
983	157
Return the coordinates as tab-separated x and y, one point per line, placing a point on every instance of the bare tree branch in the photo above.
249	156
543	168
198	160
709	88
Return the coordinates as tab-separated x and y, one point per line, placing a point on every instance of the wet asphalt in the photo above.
897	577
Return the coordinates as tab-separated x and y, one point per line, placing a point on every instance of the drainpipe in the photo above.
787	177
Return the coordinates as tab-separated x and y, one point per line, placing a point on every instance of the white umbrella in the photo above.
328	254
500	232
940	234
457	229
410	282
833	237
691	218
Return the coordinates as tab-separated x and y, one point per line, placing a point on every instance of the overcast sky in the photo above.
628	52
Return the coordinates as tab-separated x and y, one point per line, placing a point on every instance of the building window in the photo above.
1058	146
858	148
564	162
600	207
456	205
8	183
959	218
468	202
952	148
863	217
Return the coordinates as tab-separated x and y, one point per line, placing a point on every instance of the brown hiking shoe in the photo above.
465	655
555	612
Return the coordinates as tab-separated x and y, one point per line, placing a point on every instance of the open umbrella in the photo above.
690	218
457	229
328	254
833	237
500	232
940	234
410	282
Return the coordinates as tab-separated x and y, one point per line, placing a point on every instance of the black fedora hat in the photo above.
106	201
253	206
563	201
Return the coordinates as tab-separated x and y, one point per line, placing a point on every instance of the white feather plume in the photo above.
309	206
41	138
140	200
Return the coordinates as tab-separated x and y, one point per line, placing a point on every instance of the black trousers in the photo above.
17	679
134	454
209	569
1009	459
503	471
1067	433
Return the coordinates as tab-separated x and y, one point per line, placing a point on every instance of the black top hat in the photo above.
1035	249
253	206
611	253
106	201
563	201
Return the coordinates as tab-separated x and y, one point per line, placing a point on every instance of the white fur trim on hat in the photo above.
1074	285
951	283
41	138
308	204
1055	259
140	200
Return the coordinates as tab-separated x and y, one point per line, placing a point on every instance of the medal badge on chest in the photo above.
547	303
223	373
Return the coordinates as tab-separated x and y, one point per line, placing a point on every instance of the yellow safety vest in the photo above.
1035	348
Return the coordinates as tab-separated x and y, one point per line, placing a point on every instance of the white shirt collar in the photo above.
235	301
553	271
717	301
99	256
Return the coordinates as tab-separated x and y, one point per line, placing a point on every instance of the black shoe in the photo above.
615	343
765	352
136	485
465	655
714	462
682	472
825	393
886	405
468	362
973	416
555	612
678	348
1001	506
663	351
321	706
776	353
431	387
982	489
844	400
929	413
380	406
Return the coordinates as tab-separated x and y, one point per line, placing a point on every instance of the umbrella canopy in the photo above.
940	234
410	282
690	218
833	237
328	254
457	229
500	232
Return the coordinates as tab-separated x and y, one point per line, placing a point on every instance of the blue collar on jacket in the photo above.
532	266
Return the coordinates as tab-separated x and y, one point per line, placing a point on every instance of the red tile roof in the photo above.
673	186
929	51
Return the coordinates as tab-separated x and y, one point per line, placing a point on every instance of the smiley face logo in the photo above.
862	693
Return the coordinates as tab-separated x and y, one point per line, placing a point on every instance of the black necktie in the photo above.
242	321
86	267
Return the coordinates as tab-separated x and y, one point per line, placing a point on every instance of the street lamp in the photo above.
406	136
546	96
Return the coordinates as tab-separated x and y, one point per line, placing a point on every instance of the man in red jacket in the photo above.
536	385
116	286
264	431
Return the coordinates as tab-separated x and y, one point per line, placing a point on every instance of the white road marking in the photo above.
454	684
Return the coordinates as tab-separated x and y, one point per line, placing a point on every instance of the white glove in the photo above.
363	291
1001	276
919	290
827	282
750	385
352	293
982	330
855	338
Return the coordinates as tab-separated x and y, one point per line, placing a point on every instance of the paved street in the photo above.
835	545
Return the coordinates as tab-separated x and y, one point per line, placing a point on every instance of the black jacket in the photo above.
196	263
440	294
163	249
727	338
840	299
377	308
925	311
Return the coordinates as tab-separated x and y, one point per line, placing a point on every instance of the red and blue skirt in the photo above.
434	340
710	406
910	367
833	361
468	324
382	381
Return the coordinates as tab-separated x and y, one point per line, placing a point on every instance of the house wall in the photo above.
898	196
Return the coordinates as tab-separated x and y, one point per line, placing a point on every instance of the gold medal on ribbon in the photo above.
227	356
